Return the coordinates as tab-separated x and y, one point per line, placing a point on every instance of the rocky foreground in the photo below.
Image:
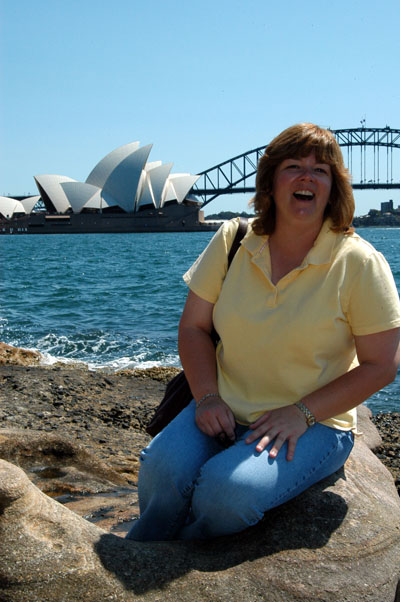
77	435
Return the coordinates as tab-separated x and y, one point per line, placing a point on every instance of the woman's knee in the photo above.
229	503
156	462
174	458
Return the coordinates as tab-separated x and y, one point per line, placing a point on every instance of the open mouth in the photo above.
304	195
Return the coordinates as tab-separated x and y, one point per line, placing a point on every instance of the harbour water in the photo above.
114	300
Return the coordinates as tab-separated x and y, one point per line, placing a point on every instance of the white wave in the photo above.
49	360
129	363
98	351
121	363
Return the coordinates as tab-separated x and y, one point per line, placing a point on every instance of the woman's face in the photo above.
301	190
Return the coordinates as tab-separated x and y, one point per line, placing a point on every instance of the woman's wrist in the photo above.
308	415
207	396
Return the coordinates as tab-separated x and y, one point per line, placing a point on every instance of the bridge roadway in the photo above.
369	153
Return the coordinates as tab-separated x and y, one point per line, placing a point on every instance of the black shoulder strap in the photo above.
241	231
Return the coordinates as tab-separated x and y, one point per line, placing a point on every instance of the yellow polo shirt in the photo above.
281	342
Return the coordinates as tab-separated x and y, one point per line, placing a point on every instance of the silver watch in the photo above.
310	418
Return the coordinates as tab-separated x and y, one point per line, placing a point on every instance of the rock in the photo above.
83	405
322	546
161	373
46	456
18	356
389	451
367	429
340	540
66	471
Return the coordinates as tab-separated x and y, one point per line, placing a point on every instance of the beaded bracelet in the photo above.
206	396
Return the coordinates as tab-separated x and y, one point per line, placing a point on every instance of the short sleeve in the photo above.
374	301
208	272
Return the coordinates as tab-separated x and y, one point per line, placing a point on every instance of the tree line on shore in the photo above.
373	218
228	215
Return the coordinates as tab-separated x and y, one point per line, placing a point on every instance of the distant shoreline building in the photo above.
387	207
388	216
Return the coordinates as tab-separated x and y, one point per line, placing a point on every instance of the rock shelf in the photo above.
77	435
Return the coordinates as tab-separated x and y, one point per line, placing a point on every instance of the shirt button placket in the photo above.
272	300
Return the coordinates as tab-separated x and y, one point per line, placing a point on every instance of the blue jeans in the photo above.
191	487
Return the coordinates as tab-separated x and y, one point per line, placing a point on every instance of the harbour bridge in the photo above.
372	156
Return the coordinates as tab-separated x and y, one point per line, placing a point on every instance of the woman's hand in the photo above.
283	424
214	416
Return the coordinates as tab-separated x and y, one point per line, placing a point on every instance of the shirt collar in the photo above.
319	254
322	249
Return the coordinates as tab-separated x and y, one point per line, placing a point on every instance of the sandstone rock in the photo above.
339	541
106	413
367	429
161	373
16	355
57	464
64	470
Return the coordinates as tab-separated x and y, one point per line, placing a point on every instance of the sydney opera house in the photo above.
123	193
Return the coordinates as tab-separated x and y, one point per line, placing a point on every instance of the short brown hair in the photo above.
299	141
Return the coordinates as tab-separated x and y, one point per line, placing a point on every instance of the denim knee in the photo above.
223	505
175	456
158	468
238	486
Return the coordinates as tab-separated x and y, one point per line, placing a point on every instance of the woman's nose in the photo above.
306	173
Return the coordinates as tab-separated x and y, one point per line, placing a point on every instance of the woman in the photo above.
308	316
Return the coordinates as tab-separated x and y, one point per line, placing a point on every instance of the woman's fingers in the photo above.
278	426
230	426
226	423
266	440
259	432
261	420
291	449
215	417
208	423
279	441
259	428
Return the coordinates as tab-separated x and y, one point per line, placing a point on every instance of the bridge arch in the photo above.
369	153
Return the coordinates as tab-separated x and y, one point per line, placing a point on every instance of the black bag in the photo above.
177	393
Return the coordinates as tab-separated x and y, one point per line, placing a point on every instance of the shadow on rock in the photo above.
340	536
307	522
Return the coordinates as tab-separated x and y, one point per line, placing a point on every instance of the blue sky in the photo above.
202	81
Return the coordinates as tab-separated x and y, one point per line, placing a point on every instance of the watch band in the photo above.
310	418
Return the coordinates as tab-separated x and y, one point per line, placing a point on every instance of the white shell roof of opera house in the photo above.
123	178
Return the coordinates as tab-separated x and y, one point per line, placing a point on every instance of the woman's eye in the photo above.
292	166
321	170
